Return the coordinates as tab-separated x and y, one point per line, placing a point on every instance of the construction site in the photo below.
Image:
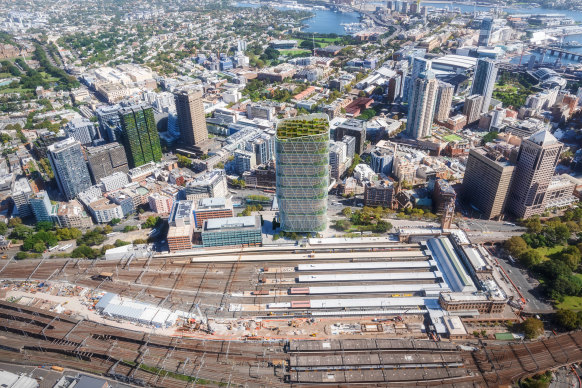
370	312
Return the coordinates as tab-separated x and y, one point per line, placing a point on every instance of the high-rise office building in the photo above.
191	117
444	102
355	128
487	180
244	161
535	166
484	81
421	111
106	160
485	31
140	136
69	167
42	207
21	193
419	66
337	159
108	117
302	160
472	108
82	130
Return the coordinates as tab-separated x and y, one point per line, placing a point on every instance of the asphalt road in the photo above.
480	231
528	287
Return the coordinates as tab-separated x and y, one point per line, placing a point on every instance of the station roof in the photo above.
403	288
449	263
368	277
365	265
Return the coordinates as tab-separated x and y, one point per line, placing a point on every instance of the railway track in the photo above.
156	360
33	336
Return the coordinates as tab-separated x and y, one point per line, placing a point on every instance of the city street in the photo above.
480	231
528	287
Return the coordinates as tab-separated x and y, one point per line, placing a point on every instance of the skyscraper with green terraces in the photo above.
140	135
302	162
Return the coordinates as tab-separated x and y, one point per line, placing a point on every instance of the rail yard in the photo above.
370	315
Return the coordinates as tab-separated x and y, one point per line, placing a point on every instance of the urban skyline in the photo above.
230	193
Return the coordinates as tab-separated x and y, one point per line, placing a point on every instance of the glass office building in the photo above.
302	163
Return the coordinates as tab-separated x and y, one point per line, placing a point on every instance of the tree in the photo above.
3	228
14	221
151	222
568	319
44	225
570	256
115	221
39	247
20	232
184	161
239	183
347	212
5	138
489	137
565	286
382	226
531	258
533	225
553	269
84	251
120	243
516	246
140	241
532	328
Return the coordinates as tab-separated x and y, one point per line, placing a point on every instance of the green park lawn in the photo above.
452	137
573	303
549	251
14	90
294	51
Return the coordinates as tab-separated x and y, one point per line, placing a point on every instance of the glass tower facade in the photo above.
68	164
140	135
484	81
302	162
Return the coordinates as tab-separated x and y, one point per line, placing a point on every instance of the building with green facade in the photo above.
140	135
302	164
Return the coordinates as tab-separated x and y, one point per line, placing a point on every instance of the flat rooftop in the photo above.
232	223
216	203
181	210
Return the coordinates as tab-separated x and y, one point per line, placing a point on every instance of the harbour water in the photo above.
327	21
465	7
323	21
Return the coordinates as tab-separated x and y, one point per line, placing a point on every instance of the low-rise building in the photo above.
103	210
210	185
72	215
443	196
233	231
160	204
181	222
210	208
484	303
379	193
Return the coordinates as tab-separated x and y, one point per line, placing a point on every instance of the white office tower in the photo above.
422	104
